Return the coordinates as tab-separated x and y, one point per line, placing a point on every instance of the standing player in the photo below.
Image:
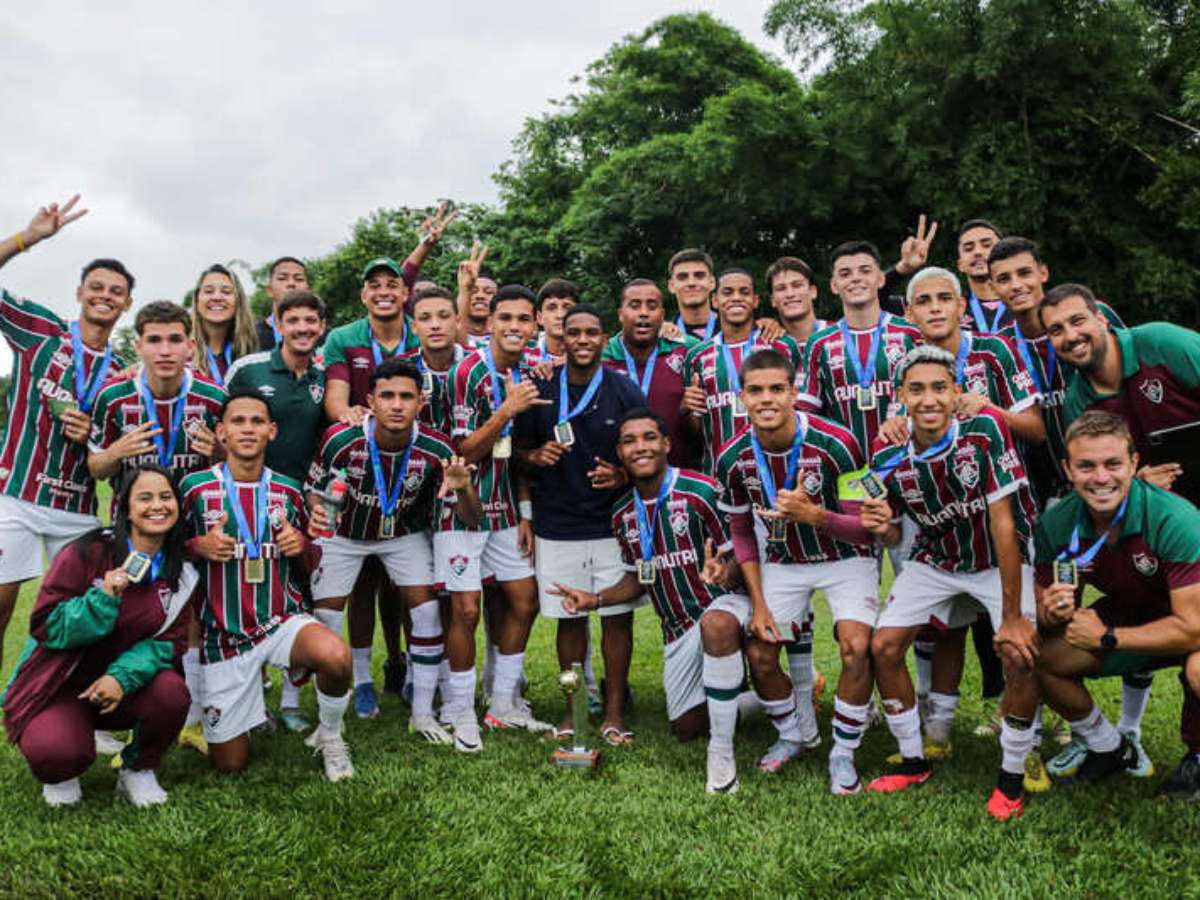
986	312
490	389
47	497
690	281
554	299
435	323
397	473
963	483
1136	544
794	296
801	458
286	274
669	528
476	288
248	528
570	445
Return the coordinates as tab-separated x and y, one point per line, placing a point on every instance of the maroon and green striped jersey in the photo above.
830	385
235	614
948	494
692	517
119	409
39	464
707	359
344	447
666	388
349	356
435	412
471	390
1157	551
829	452
992	370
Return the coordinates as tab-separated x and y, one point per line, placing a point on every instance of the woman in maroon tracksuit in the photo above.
104	649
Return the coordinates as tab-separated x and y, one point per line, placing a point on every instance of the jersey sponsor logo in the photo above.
60	484
458	563
1152	390
53	390
1009	460
717	401
317	392
676	559
955	509
1145	563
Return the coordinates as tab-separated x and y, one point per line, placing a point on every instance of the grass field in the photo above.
422	820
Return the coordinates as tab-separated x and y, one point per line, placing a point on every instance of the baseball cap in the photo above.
382	262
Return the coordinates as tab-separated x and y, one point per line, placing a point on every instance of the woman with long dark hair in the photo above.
221	323
107	633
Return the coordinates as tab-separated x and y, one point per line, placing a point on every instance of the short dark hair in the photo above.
1008	247
513	292
768	358
1098	423
789	264
736	270
582	309
643	412
691	254
978	223
1065	292
432	291
113	265
639	282
395	367
162	312
558	287
286	259
301	299
247	393
854	248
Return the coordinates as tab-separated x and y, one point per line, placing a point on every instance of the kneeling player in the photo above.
666	526
248	524
392	467
1139	546
963	483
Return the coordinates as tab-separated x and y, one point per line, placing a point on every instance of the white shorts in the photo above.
586	565
233	690
408	560
683	658
925	595
908	536
26	530
463	559
851	586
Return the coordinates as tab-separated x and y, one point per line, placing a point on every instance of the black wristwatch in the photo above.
1108	640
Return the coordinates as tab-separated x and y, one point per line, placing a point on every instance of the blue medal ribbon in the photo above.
864	374
731	371
709	329
928	453
497	394
631	368
645	531
85	394
166	449
1023	345
980	318
156	564
213	371
1082	559
388	497
793	463
275	329
564	399
377	350
252	538
960	359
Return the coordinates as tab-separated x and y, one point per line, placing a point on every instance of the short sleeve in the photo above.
1000	460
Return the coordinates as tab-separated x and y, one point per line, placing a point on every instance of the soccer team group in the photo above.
451	459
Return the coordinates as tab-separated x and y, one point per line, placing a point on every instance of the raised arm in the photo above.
46	222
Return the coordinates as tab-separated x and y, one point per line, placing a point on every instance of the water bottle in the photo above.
335	494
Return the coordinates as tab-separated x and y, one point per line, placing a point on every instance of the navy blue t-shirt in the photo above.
565	505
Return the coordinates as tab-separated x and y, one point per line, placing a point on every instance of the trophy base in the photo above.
576	758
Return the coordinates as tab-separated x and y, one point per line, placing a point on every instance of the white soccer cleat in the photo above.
64	793
108	744
722	774
141	787
517	715
428	728
466	733
335	755
843	776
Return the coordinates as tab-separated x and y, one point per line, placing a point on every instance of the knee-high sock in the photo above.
491	651
1016	740
289	697
1135	692
331	710
941	715
330	618
1096	731
722	684
361	658
923	656
506	679
444	680
785	717
906	729
849	723
193	677
800	667
427	648
462	693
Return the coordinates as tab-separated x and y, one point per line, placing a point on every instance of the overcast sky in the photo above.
199	133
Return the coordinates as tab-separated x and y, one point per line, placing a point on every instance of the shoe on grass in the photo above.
366	703
1068	760
140	787
193	736
62	793
294	720
334	754
721	774
843	776
780	754
1145	766
989	727
428	728
933	750
466	733
1184	782
1098	766
909	773
1003	808
1037	779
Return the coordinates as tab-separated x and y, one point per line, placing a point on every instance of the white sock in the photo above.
1135	692
849	723
1097	732
289	697
444	680
589	671
722	683
193	677
785	718
1016	740
330	711
800	667
923	656
489	667
749	703
941	715
362	665
426	652
462	691
506	677
330	618
906	729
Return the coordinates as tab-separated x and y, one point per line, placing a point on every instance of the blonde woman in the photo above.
222	323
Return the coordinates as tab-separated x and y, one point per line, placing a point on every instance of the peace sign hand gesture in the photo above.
49	219
469	268
435	226
915	250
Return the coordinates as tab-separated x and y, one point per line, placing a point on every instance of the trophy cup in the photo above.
578	756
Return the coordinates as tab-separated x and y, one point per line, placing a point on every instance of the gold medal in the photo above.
564	434
387	527
645	571
779	530
427	383
255	570
1066	572
866	397
502	449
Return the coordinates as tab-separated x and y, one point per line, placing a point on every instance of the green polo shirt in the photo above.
297	403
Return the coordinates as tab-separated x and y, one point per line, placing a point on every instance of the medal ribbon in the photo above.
388	497
709	329
960	359
980	317
377	350
252	539
735	381
85	394
214	372
1082	559
631	367
645	531
865	374
1023	345
764	467
563	398
166	449
497	395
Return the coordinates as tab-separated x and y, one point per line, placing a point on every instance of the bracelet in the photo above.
20	239
525	508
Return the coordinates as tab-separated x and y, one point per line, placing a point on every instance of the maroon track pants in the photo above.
59	742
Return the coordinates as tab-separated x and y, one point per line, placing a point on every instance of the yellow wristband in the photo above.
20	242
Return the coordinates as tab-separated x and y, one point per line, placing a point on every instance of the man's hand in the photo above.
469	268
520	397
77	425
105	693
456	476
1058	603
525	543
1018	638
435	226
769	330
203	440
670	331
543	370
48	220
875	514
136	442
115	582
1085	629
353	415
574	600
606	476
1162	476
289	541
915	249
894	430
762	626
694	401
548	454
970	404
319	521
216	545
795	506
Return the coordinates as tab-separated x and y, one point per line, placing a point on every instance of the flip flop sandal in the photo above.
615	737
560	734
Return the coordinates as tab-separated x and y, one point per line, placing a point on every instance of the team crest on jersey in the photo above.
164	595
675	363
813	481
1152	390
1145	563
316	391
977	385
968	473
894	351
413	479
458	563
1023	380
212	716
679	522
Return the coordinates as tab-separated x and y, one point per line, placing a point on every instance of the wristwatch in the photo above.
1108	640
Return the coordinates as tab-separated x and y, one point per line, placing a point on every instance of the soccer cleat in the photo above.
140	787
1068	760
1098	766
843	776
781	753
721	774
445	716
1183	783
1145	766
909	773
366	704
428	728
294	720
466	734
393	676
518	715
107	743
334	754
64	793
193	736
932	748
267	726
990	726
1002	809
1036	779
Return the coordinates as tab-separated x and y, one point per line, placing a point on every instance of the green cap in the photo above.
382	262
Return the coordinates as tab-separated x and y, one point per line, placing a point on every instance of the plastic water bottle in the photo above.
335	494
